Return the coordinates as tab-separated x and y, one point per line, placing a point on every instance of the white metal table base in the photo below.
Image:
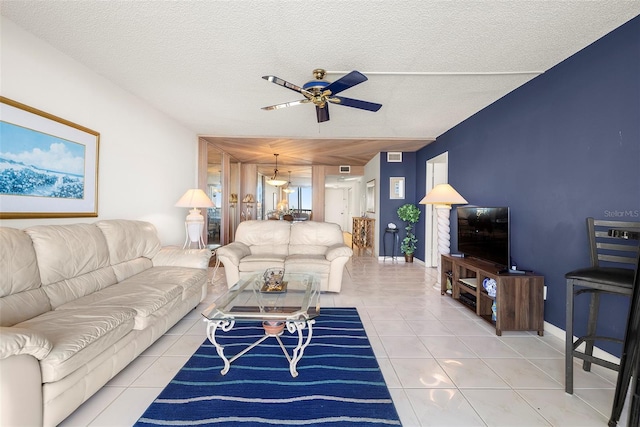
292	326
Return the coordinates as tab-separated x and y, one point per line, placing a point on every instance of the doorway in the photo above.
341	195
336	206
437	172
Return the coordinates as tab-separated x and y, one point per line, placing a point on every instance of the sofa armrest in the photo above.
338	250
175	257
234	252
19	341
20	391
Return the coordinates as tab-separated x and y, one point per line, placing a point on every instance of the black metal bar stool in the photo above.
629	361
614	248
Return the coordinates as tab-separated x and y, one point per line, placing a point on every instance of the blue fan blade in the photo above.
322	113
350	80
355	103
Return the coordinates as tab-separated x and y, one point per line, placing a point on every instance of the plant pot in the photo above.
273	327
408	257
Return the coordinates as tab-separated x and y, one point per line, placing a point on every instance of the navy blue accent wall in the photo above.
388	206
563	147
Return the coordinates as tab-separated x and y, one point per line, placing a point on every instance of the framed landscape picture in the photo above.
48	165
396	188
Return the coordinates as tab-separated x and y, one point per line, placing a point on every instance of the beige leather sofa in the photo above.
306	246
77	304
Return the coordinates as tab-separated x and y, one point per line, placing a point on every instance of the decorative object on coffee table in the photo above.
273	281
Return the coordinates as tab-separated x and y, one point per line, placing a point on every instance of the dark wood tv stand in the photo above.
519	297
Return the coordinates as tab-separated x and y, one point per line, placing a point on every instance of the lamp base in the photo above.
193	226
442	211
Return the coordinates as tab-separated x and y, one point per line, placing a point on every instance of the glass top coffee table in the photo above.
292	306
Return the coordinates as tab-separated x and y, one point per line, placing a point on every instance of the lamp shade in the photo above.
443	194
276	182
194	198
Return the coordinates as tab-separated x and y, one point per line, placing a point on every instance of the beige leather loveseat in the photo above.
305	246
78	303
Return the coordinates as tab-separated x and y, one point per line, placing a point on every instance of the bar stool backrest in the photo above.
613	242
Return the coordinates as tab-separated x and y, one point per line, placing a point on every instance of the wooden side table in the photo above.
363	235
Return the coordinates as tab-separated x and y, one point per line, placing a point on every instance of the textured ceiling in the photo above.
430	63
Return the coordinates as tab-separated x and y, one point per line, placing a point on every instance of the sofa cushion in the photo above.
128	240
307	264
184	278
66	251
311	237
261	262
176	257
21	295
76	287
126	269
138	293
272	239
77	336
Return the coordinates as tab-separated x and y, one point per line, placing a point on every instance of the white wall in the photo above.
146	159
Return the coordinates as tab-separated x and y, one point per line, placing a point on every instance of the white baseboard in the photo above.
400	259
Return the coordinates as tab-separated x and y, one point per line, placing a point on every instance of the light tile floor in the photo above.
443	365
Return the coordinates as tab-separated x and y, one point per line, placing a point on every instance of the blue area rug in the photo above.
339	381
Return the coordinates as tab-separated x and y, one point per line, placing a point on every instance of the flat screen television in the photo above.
483	233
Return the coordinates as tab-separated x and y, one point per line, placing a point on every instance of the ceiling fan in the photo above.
321	92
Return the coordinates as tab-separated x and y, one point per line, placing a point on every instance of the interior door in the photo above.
437	173
336	206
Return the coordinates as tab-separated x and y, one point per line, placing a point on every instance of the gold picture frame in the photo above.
48	165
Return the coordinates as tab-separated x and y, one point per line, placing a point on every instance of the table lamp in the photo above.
194	198
442	196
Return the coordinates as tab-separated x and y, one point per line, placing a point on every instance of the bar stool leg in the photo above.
629	363
634	412
568	349
594	308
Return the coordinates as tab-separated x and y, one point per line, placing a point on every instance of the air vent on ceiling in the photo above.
394	157
345	169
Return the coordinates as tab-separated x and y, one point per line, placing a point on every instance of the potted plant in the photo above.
410	214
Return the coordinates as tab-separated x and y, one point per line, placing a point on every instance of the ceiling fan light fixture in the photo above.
274	179
321	93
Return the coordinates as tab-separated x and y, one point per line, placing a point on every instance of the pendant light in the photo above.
274	179
288	188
